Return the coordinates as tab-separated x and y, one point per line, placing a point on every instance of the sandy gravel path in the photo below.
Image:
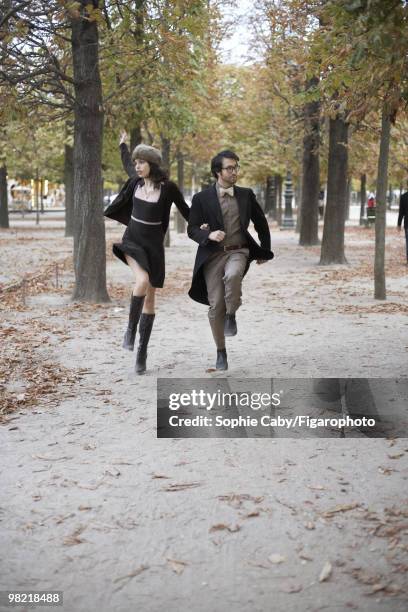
94	505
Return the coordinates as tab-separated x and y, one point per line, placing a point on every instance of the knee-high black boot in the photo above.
145	329
136	306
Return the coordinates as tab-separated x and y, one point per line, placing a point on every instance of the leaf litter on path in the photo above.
276	558
127	577
340	508
326	572
181	486
176	565
224	527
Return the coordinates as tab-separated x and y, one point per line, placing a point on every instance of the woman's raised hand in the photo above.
123	137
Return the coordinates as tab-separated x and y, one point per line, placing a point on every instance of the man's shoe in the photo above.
221	363
230	325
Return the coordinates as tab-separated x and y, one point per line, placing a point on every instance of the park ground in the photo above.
93	504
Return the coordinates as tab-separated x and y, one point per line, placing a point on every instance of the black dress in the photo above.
143	239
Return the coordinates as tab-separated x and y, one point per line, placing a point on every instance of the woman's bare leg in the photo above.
141	277
142	289
149	303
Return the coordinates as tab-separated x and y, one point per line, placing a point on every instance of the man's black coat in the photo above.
403	210
205	208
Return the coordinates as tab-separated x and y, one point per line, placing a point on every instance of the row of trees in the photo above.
340	70
89	67
328	81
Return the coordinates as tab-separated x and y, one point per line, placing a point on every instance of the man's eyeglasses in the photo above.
231	169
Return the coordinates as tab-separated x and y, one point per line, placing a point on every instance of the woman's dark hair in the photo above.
216	162
157	174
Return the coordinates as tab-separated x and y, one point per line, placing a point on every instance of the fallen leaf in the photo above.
181	486
74	539
376	588
132	574
326	572
252	514
89	446
276	558
61	519
237	499
292	508
112	472
176	565
386	471
47	458
340	508
259	564
222	526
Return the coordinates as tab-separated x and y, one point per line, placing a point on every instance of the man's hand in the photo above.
261	261
217	236
123	137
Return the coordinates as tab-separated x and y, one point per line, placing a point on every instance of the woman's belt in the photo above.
146	222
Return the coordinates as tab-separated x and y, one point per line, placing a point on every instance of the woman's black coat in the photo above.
205	208
121	207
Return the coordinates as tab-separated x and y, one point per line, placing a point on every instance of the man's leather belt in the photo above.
234	247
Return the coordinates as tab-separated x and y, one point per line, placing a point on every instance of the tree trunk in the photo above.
37	197
4	213
165	142
332	251
69	190
268	195
135	136
309	207
180	222
363	196
380	207
390	197
273	194
348	200
42	195
193	180
278	184
89	228
298	198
